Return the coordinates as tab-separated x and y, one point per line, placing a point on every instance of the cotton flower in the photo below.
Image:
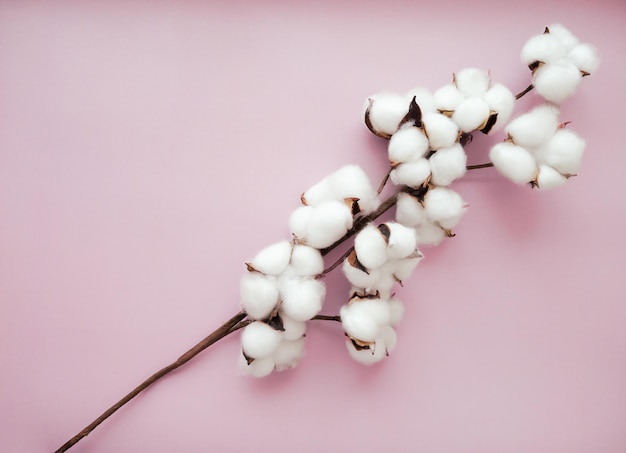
558	62
473	103
538	151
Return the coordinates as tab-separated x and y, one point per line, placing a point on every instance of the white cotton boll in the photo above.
351	181
293	329
396	311
367	356
472	81
544	48
423	98
299	220
402	240
306	261
448	164
585	57
412	174
389	338
514	162
288	354
409	211
549	178
318	193
442	132
403	268
258	368
259	294
500	100
259	340
385	111
302	298
408	144
371	247
448	97
566	37
535	127
328	223
451	222
361	279
442	203
563	152
274	259
471	114
358	323
429	233
386	281
557	81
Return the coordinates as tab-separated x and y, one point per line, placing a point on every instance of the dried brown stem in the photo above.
381	186
221	332
476	167
522	93
338	262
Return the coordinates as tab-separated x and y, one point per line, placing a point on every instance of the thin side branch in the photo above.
522	93
338	262
476	167
218	334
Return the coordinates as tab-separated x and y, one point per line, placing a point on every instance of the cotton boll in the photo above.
566	37
389	338
472	81
259	340
448	97
409	211
448	164
358	323
352	182
535	127
563	151
384	112
408	144
442	132
306	261
442	203
514	162
371	247
500	100
423	98
585	57
367	356
396	311
318	193
544	48
360	278
328	222
412	174
288	354
429	233
272	260
259	294
404	267
471	114
451	222
557	81
258	368
549	178
402	240
302	298
299	220
293	329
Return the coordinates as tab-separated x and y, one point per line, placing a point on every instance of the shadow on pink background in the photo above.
148	149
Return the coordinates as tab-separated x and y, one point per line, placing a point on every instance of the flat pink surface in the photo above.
147	149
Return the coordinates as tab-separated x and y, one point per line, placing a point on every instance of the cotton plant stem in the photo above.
330	268
476	167
522	93
221	332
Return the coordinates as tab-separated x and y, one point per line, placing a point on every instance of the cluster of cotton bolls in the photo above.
427	132
558	61
539	150
281	289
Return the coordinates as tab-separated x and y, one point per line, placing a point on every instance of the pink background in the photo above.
147	149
